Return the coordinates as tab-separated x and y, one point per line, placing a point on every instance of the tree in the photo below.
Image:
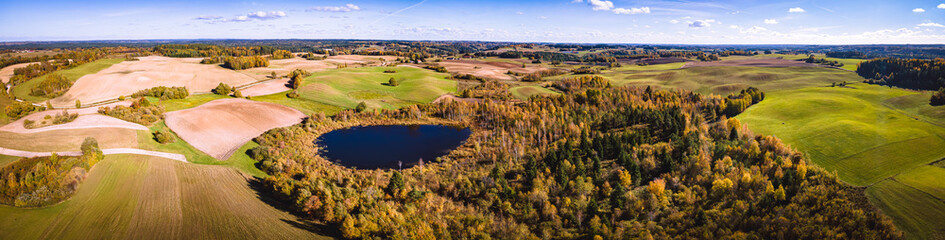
78	104
237	94
392	82
395	185
938	98
273	74
361	107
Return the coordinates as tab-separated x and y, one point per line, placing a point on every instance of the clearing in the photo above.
220	127
129	77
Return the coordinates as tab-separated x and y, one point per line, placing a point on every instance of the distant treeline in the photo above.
847	54
240	63
905	73
206	50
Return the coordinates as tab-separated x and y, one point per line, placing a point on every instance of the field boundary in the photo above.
109	151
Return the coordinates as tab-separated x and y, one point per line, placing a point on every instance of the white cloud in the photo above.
632	10
931	24
600	5
941	6
266	15
918	10
771	21
519	13
796	10
346	8
701	23
674	21
208	18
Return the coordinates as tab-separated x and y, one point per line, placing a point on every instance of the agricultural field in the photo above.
22	91
68	140
141	197
494	69
128	77
346	88
524	92
7	72
723	80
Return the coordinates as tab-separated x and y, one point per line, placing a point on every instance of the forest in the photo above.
33	182
916	74
598	162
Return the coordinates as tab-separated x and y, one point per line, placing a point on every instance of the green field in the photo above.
22	91
4	160
725	80
915	212
345	88
140	197
849	130
524	92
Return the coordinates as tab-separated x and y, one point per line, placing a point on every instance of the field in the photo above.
345	88
68	140
82	122
22	91
128	77
488	69
284	66
140	197
220	127
7	72
266	88
723	80
524	92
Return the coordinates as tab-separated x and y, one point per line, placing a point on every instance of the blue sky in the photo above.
581	21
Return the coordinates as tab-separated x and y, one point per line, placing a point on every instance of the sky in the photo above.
566	21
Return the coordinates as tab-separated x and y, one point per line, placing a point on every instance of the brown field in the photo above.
755	62
220	127
142	197
450	97
490	70
128	77
282	67
270	87
69	139
7	72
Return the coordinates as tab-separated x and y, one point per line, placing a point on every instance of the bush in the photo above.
59	118
163	136
390	71
292	94
361	107
223	89
141	112
16	110
392	82
237	94
162	92
282	54
938	98
53	86
296	77
437	68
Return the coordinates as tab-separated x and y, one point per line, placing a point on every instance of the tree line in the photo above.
917	74
34	182
594	163
163	93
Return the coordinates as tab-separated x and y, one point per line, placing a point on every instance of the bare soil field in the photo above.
756	62
90	121
270	87
128	77
490	70
7	72
282	67
220	127
67	140
450	97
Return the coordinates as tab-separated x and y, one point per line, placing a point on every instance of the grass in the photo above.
68	140
913	211
240	160
918	105
848	63
4	159
345	88
524	92
22	91
723	80
189	102
132	196
308	107
849	130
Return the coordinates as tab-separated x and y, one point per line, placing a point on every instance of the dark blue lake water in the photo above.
385	146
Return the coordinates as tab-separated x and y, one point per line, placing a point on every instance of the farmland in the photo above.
22	91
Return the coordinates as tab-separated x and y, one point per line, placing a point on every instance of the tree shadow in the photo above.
313	227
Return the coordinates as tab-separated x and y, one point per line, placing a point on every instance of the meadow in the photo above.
723	80
346	88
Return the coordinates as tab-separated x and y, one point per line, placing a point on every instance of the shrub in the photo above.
938	98
16	110
141	112
292	94
162	92
163	136
237	94
437	68
390	71
392	82
223	89
78	104
361	107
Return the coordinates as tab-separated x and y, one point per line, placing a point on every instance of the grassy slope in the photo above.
22	91
131	196
524	92
913	211
345	88
725	80
848	130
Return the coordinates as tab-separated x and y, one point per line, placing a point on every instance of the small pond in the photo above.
389	146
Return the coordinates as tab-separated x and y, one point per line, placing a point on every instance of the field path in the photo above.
28	154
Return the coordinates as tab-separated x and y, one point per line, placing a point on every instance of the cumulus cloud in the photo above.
632	10
931	24
771	21
259	15
918	10
796	10
674	21
701	23
941	6
208	18
346	8
600	5
266	15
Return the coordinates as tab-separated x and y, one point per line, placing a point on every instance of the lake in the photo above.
386	146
